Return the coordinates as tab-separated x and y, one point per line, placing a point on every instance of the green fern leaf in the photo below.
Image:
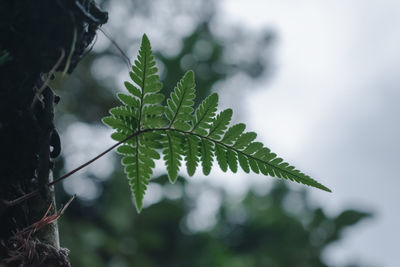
118	136
180	104
140	172
231	158
154	110
244	162
133	89
173	154
154	121
141	110
233	133
204	115
126	150
244	140
154	139
121	124
220	154
143	127
253	165
220	124
207	148
128	100
115	123
123	111
192	151
253	147
153	99
144	74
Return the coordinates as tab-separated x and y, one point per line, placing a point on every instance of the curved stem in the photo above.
93	159
59	179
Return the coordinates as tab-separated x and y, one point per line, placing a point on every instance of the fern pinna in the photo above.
147	128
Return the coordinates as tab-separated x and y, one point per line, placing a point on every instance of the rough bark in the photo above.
35	34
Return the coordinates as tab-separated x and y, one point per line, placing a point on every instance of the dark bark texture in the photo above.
34	36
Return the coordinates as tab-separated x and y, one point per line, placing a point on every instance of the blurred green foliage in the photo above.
257	231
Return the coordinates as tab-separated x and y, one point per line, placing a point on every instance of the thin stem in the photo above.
93	159
118	48
35	192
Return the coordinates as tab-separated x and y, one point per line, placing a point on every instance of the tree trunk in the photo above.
37	37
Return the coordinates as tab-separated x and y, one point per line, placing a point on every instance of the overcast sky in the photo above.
332	108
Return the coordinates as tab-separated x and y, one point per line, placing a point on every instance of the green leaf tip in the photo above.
145	39
138	205
179	132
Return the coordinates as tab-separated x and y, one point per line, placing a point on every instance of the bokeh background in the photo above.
317	80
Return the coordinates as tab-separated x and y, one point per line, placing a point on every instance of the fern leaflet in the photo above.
180	104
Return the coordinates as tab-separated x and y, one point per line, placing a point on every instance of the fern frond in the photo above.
139	163
144	75
141	109
146	128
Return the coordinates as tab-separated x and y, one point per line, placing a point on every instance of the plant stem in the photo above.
59	179
93	159
118	48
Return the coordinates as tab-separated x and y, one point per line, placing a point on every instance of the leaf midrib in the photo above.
143	91
137	164
200	120
171	153
178	107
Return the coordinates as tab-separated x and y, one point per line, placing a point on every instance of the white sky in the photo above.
332	108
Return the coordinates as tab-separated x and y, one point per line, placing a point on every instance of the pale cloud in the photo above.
332	108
